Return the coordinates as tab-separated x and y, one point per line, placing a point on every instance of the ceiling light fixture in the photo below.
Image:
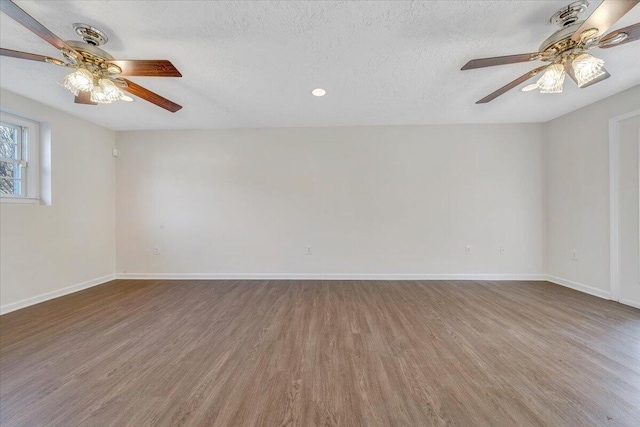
584	68
552	79
587	68
318	92
103	91
80	80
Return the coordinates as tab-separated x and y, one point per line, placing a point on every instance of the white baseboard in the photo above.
350	276
634	304
321	276
579	287
8	308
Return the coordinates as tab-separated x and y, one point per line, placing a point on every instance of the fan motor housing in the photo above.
93	58
567	19
561	39
89	51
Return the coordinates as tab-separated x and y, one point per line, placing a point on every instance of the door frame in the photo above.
614	201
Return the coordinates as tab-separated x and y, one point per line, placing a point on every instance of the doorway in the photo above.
624	132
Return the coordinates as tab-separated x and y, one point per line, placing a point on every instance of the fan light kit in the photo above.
102	92
97	78
586	69
565	50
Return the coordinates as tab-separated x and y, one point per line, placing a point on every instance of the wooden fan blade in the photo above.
632	32
29	56
607	14
84	98
27	21
502	60
153	98
511	85
147	68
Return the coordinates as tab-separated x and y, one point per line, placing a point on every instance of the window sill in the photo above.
19	200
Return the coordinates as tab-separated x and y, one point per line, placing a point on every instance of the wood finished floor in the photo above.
365	353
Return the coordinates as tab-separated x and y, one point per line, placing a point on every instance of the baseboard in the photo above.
8	308
321	276
579	287
634	304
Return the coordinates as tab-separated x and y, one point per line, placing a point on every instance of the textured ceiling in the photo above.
253	64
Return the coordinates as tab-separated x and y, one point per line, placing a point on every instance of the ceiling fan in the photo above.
97	77
565	50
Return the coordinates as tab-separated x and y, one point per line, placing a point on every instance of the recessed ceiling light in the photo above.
318	92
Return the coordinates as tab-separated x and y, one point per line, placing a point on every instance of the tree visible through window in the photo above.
12	159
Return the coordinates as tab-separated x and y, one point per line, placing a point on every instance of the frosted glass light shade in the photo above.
111	92
106	92
552	79
79	80
587	68
98	95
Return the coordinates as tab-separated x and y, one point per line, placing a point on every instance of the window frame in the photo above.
29	145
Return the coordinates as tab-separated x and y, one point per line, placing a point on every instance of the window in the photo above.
12	159
19	166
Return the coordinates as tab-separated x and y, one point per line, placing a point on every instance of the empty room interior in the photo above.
320	213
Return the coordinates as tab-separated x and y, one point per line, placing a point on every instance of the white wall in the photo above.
46	249
578	192
371	200
629	193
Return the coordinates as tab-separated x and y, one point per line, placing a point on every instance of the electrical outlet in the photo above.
502	250
467	250
574	254
156	251
308	250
